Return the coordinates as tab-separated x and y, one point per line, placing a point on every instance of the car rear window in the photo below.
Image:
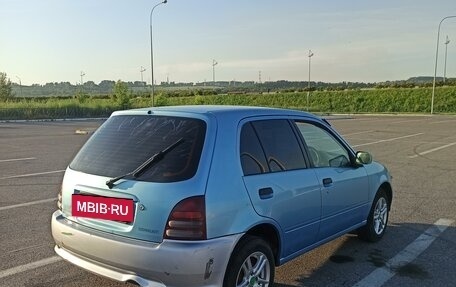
125	142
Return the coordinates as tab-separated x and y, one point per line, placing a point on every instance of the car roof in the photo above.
222	111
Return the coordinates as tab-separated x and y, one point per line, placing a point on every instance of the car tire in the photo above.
377	220
251	264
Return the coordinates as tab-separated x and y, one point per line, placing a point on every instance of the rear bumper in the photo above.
169	263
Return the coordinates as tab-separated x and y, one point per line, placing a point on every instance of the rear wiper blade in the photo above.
148	163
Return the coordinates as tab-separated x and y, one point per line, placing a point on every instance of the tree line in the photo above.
9	89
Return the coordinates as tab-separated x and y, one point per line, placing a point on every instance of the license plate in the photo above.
109	208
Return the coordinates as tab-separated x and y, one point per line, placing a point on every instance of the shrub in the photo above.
6	91
82	97
121	95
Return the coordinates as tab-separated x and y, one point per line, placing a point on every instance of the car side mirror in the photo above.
363	157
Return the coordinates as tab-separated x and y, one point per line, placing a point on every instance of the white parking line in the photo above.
381	275
29	266
17	159
27	203
357	133
432	150
388	140
441	122
32	174
408	121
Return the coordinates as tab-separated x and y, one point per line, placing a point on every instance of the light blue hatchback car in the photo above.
213	195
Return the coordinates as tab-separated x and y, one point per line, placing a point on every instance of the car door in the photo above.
344	185
279	182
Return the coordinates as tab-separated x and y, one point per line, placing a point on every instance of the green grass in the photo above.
416	100
53	108
413	100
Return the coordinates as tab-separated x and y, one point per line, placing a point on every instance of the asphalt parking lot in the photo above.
419	248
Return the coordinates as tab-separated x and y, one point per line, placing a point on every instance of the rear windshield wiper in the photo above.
148	163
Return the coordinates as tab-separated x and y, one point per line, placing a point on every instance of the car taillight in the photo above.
59	199
187	220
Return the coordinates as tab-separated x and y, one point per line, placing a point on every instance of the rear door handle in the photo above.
327	182
265	193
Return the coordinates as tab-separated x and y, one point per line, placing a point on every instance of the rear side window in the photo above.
280	145
123	143
253	159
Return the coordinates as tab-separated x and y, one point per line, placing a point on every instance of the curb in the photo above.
53	120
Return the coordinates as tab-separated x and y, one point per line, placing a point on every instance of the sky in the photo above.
352	40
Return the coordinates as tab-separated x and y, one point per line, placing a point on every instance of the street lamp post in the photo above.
436	57
20	85
142	70
214	63
151	49
308	82
446	52
82	75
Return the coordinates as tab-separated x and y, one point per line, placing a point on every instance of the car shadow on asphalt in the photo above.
347	260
